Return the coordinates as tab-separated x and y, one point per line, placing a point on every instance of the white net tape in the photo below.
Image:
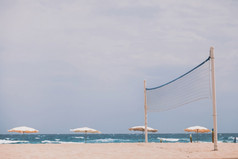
192	86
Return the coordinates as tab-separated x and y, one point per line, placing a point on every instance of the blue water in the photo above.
109	138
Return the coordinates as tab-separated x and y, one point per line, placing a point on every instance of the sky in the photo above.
76	63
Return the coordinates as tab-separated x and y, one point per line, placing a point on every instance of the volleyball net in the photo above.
192	86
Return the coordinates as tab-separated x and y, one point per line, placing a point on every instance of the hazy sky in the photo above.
68	64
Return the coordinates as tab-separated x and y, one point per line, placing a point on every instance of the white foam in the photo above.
231	138
49	142
11	141
46	141
168	139
57	141
79	137
105	140
109	140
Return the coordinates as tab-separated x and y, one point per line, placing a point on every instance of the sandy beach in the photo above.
119	151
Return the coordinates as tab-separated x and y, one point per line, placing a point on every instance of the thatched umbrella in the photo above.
142	128
197	129
23	129
85	130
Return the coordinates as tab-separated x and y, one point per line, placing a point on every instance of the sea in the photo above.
112	138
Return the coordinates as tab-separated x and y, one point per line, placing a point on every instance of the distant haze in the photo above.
69	64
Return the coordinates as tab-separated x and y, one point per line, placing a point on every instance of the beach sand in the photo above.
119	151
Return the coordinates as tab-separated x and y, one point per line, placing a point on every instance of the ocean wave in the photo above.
109	140
78	137
12	141
50	142
168	139
58	142
231	138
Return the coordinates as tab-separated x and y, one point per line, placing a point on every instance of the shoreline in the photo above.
118	150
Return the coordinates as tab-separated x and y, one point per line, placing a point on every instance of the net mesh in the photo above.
191	86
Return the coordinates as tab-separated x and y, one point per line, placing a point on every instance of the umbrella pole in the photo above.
143	134
197	135
85	137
